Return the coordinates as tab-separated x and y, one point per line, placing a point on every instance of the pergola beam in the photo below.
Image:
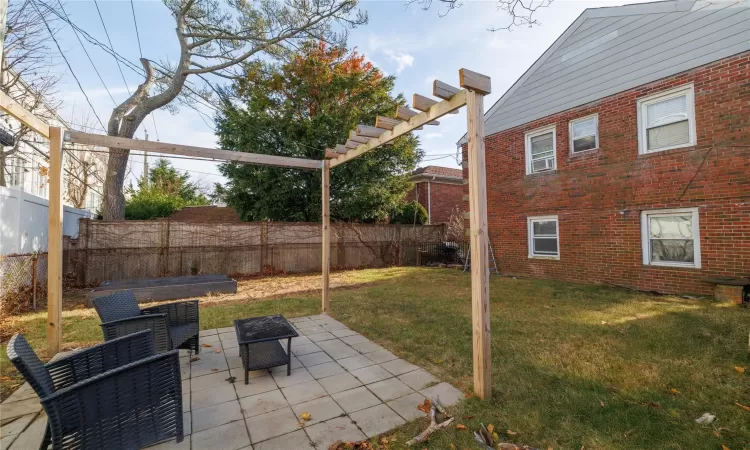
17	110
188	150
436	111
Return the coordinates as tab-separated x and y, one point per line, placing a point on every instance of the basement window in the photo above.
671	238
543	237
584	134
666	120
541	150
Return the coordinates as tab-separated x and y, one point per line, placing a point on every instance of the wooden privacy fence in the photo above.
158	248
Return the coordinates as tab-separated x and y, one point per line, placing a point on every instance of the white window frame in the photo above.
594	116
646	237
642	105
538	132
530	234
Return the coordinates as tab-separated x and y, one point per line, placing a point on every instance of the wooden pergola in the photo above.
365	138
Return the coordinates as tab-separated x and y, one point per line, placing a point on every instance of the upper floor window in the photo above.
666	120
541	150
543	237
671	238
584	134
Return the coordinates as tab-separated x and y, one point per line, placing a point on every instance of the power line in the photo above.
135	22
57	44
96	3
87	54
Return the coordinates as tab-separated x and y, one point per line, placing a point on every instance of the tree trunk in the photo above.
114	197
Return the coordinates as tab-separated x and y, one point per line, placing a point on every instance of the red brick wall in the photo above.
599	196
444	198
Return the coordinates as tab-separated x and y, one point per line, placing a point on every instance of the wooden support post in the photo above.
326	218
480	287
54	243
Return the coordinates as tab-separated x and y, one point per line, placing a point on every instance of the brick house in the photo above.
439	189
622	156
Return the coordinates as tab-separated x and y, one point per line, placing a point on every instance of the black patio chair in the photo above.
116	395
174	325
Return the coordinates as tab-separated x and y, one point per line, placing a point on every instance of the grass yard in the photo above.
574	366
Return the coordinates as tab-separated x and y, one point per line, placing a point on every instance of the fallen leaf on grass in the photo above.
460	426
705	418
745	407
453	447
425	406
739	369
468	417
674	391
305	416
490	428
510	432
724	447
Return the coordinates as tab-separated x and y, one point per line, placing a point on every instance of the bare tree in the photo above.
84	168
521	12
215	38
26	74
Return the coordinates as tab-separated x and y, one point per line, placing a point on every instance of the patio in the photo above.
352	388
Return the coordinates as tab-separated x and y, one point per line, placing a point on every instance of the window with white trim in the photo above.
584	134
541	150
543	237
671	238
666	120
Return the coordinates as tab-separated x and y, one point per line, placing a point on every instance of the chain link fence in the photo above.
23	282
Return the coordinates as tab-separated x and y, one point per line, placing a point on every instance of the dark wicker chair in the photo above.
175	325
116	395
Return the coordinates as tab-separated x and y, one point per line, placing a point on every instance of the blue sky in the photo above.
416	46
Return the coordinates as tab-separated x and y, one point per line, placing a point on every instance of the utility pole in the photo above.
145	162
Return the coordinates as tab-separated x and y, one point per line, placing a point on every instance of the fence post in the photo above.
164	248
34	264
263	245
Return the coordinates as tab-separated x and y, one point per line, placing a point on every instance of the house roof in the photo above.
210	213
438	174
613	49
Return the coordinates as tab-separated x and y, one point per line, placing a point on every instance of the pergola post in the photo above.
326	240
54	243
477	87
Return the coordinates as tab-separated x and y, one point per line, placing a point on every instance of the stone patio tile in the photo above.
399	366
186	385
225	329
321	337
213	396
340	382
16	426
326	433
186	402
232	436
445	393
371	374
24	392
355	362
355	399
300	393
309	331
354	339
343	332
172	444
266	402
304	349
216	415
418	379
187	423
296	440
234	362
298	376
320	409
20	408
295	365
334	326
389	389
210	340
376	420
296	341
367	347
209	381
306	324
239	374
325	370
208	366
313	359
406	406
231	347
184	373
299	319
255	386
381	356
210	332
31	438
337	349
270	425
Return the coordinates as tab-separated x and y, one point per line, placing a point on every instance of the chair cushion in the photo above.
118	306
31	367
182	333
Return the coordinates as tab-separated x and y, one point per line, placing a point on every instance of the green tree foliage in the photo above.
410	213
298	108
167	191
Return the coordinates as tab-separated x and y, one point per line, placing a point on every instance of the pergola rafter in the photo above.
363	139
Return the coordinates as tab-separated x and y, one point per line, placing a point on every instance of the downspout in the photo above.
429	205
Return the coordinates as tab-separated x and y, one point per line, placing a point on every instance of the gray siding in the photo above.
610	50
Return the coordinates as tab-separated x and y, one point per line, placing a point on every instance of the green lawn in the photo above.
574	366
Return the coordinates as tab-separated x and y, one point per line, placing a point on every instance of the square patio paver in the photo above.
296	377
356	399
231	436
320	409
313	359
300	393
321	337
376	420
381	356
354	339
406	406
255	386
270	425
399	366
213	416
326	433
371	374
343	332
213	396
340	382
304	349
337	349
447	394
266	402
418	379
389	389
355	362
325	370
296	440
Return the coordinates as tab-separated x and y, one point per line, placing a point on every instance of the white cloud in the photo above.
403	60
433	135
